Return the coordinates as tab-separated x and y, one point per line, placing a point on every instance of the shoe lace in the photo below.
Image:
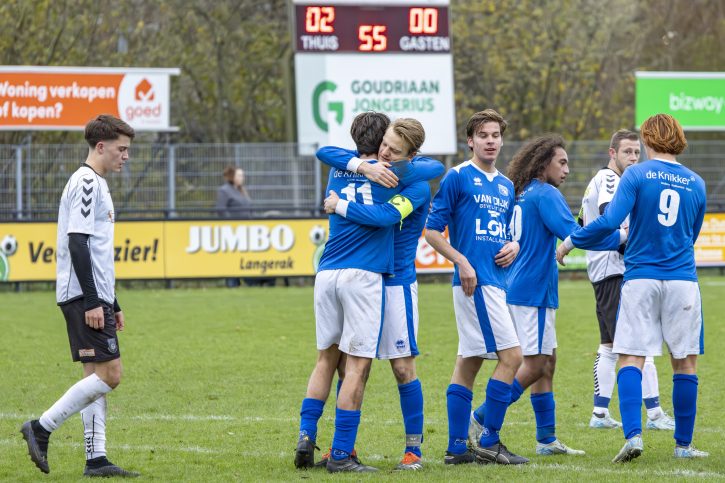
410	458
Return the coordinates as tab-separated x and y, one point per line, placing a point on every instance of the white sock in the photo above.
650	386
604	376
94	428
80	395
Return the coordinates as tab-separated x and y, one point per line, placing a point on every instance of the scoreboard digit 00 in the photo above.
372	29
391	56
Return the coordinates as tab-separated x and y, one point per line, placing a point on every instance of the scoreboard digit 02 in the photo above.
391	56
372	28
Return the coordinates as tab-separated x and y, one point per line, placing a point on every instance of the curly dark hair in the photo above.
531	160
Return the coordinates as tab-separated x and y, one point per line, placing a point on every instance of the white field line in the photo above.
628	472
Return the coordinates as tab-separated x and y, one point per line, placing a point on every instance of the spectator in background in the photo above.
232	199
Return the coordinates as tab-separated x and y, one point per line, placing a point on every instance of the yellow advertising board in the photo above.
176	249
710	246
249	248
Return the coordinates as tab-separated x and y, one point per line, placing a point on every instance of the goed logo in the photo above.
142	102
332	106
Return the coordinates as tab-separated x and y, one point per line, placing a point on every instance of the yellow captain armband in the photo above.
403	205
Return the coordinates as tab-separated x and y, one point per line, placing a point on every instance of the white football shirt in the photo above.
86	207
601	189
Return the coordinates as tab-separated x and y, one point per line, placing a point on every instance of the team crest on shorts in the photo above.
112	346
503	190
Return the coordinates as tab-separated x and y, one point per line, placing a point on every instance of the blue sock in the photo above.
346	424
309	415
459	409
652	402
339	385
498	396
601	402
629	382
411	404
545	413
684	402
516	391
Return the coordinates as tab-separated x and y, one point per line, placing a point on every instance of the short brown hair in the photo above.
482	117
531	160
663	134
367	130
229	173
106	128
620	136
411	131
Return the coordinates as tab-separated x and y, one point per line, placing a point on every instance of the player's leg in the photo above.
639	334
87	345
328	331
606	294
362	296
683	331
500	336
398	343
656	417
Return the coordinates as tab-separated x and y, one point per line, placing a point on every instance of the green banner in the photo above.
695	99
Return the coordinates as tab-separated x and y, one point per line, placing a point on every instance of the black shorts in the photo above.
607	294
87	344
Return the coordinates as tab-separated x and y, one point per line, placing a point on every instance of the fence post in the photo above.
19	181
171	178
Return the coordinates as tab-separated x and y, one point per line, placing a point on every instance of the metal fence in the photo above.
181	180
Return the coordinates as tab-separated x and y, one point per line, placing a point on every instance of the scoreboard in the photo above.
356	28
389	56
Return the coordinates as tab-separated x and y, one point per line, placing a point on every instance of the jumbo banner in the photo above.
249	248
177	249
66	98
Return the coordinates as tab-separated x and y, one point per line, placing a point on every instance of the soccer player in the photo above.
475	201
86	296
407	212
660	297
605	270
541	215
349	304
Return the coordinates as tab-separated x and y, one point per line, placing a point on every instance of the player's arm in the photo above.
421	168
508	253
700	217
438	219
394	211
347	160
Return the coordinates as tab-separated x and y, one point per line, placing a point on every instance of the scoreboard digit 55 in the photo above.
397	26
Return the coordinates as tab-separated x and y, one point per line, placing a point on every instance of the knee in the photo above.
404	372
550	366
511	360
111	376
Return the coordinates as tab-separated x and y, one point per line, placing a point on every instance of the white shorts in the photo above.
399	337
484	323
536	328
653	311
349	306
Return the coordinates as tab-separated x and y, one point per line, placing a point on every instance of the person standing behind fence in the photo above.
232	199
86	295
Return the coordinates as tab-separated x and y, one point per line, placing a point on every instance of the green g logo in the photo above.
332	106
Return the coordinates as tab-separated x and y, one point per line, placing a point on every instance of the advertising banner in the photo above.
333	89
696	99
66	98
249	248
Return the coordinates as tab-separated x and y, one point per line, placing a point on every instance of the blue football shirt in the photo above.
476	206
541	215
666	202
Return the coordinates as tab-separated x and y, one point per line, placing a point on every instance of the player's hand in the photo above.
561	252
94	318
379	173
468	277
507	254
331	202
120	321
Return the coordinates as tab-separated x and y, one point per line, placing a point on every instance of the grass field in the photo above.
214	378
